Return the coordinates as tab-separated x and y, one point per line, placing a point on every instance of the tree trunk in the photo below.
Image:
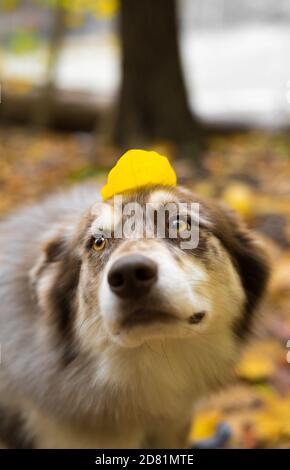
152	103
43	113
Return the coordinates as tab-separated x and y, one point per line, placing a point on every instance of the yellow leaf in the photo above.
204	425
239	197
136	169
255	368
268	428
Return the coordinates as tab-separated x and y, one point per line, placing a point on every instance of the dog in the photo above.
109	342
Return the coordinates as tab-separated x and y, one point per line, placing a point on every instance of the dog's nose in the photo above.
132	276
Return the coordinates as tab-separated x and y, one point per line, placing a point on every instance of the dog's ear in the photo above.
248	256
52	250
55	278
55	248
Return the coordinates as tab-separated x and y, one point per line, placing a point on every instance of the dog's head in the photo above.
100	284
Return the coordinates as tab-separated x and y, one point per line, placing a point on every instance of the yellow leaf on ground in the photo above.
239	197
255	368
204	425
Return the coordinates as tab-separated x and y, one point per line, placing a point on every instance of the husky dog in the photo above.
108	342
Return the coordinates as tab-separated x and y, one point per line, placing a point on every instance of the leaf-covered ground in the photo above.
251	172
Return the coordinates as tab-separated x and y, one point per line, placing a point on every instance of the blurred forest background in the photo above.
206	82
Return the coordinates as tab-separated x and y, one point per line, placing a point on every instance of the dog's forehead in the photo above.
162	196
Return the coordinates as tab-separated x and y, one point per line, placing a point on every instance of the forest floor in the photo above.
251	172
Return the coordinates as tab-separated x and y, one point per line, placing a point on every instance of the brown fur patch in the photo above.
13	433
62	294
248	257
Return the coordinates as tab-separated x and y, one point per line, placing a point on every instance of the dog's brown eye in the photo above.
99	243
179	225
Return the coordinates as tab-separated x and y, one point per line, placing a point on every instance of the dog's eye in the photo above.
99	243
179	225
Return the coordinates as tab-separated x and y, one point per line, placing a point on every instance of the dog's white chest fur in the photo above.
146	399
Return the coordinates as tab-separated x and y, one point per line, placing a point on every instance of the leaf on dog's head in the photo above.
137	169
